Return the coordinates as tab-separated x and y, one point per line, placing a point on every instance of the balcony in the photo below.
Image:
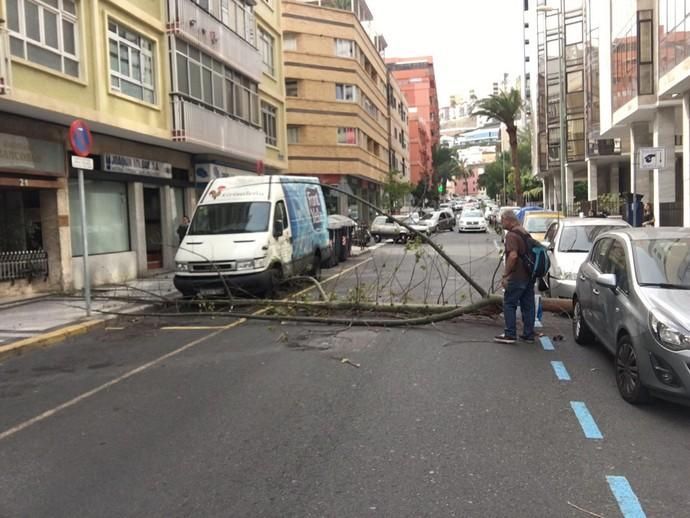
197	125
230	35
5	69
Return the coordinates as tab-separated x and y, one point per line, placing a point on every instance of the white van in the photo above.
253	231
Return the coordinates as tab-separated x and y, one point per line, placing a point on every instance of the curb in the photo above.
51	337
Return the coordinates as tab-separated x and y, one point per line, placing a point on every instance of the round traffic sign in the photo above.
80	138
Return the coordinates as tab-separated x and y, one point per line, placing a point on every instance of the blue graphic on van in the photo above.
307	211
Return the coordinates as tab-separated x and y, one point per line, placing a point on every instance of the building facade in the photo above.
337	106
399	134
272	85
417	81
170	91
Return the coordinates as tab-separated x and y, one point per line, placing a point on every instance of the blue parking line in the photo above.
627	500
561	371
546	343
589	427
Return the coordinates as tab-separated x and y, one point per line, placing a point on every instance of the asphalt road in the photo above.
265	419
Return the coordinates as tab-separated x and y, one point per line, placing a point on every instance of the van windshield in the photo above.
230	218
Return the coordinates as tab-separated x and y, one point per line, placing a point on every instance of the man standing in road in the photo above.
517	281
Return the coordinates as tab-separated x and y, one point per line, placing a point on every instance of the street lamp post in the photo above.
562	101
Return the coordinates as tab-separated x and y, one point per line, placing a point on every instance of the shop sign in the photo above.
205	173
136	166
17	152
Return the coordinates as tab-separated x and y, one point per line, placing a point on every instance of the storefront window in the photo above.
106	216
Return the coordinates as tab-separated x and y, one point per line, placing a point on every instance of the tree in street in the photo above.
446	166
506	107
395	190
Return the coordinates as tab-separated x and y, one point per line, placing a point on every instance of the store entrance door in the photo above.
154	233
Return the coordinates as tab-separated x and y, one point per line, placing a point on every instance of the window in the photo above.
618	266
289	41
230	218
293	134
345	48
45	32
347	136
131	63
344	92
280	214
266	47
292	88
269	117
600	254
106	214
645	29
211	83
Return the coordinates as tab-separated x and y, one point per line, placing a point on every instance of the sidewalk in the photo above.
48	319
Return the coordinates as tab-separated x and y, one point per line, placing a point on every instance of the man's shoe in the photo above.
503	339
528	339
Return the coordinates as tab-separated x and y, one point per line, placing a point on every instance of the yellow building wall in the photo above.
316	109
272	86
90	96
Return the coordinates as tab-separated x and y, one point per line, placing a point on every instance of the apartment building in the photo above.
272	85
417	80
336	91
398	136
170	91
627	80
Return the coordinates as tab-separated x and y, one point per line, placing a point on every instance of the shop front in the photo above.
133	208
33	215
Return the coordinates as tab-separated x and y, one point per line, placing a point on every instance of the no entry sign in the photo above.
80	138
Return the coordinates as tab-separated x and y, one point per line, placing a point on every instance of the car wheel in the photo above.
628	373
581	331
377	238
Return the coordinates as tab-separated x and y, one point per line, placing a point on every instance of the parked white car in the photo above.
569	241
472	221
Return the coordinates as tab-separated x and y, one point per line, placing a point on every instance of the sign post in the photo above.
81	141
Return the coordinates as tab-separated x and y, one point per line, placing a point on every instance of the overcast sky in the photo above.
473	42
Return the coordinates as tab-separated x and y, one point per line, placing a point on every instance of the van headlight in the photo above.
182	267
668	335
251	264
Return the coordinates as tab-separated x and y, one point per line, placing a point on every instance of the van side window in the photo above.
281	214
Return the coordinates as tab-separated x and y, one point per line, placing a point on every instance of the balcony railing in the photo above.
229	35
5	66
198	125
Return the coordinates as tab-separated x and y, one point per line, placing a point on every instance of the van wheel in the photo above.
274	282
316	267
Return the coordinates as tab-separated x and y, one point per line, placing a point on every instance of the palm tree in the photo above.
445	165
464	173
506	107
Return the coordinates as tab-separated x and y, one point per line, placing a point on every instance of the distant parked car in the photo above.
633	295
438	221
569	241
387	228
472	221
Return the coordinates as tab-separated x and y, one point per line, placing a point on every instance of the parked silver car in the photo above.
387	228
569	241
633	295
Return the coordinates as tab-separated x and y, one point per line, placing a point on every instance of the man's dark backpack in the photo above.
536	260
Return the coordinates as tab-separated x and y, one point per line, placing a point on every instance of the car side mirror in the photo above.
278	228
607	280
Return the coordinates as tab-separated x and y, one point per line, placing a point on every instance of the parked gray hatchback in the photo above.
633	295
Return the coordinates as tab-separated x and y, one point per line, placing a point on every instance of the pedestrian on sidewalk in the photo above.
182	229
517	281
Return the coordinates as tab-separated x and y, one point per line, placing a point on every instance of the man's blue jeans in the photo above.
519	293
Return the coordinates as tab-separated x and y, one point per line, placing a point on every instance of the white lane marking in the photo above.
49	413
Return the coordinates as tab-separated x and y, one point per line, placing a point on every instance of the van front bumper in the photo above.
190	285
